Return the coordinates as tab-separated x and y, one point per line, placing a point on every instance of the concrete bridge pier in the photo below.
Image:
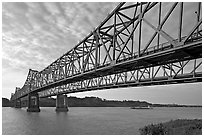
24	103
61	103
33	102
17	103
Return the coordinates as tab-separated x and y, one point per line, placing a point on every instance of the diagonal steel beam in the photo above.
193	30
160	24
106	51
161	32
142	14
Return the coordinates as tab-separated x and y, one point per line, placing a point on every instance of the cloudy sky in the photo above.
36	34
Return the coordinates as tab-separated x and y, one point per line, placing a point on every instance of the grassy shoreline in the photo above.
174	127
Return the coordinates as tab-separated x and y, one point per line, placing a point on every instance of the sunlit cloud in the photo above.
30	29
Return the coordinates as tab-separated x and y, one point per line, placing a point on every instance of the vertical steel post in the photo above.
133	24
152	72
182	65
66	69
83	60
140	30
171	69
72	63
149	72
125	77
137	75
198	15
194	68
180	22
96	37
114	37
53	73
159	24
99	52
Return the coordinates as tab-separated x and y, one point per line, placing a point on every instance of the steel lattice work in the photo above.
138	44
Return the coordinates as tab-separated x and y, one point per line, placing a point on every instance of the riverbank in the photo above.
174	127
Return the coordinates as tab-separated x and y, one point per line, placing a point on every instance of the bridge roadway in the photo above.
64	77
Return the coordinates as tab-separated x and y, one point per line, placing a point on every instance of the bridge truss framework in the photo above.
122	52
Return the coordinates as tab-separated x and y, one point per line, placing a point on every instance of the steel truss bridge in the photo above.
137	44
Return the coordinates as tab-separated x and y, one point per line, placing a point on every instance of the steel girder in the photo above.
120	44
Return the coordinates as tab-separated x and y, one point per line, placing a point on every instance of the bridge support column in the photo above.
24	103
33	102
61	103
17	103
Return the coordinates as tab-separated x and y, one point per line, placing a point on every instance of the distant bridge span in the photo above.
138	44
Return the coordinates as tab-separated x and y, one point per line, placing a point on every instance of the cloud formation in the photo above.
35	34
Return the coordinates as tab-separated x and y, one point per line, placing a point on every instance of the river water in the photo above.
89	120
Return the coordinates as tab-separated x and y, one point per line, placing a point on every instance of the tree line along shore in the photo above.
94	102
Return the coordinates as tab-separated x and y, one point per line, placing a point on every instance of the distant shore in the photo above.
95	102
